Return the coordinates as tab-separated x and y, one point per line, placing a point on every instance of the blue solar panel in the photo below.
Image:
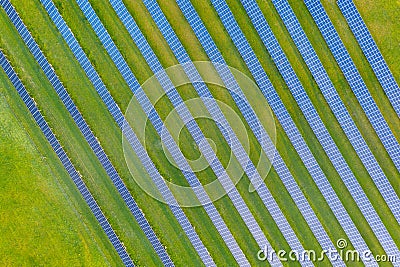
191	125
101	88
211	105
359	88
29	102
371	52
288	125
89	136
179	158
230	82
311	115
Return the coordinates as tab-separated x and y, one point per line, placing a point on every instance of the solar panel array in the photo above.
359	88
212	107
135	143
261	135
191	125
55	144
87	133
287	123
134	85
312	116
371	52
93	76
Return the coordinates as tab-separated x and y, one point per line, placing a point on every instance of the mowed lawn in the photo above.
92	246
45	221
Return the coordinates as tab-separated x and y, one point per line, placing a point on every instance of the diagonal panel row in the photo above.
359	88
51	138
115	111
287	123
86	132
251	118
371	52
322	134
190	123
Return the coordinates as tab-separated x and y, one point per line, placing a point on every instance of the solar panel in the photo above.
159	124
288	125
148	53
371	52
191	125
29	102
311	114
84	128
365	99
203	92
216	57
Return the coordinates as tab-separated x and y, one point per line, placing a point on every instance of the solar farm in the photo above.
200	133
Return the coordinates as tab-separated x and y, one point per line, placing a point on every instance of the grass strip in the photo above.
45	220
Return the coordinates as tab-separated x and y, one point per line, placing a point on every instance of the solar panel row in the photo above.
311	114
94	207
287	123
128	75
360	90
216	113
371	52
191	124
250	116
87	133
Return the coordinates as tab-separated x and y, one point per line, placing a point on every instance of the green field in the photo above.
57	217
43	215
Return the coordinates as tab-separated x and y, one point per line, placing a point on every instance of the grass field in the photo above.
79	151
68	224
43	216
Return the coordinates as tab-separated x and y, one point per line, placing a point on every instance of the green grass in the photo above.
82	157
164	223
45	221
382	19
105	129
